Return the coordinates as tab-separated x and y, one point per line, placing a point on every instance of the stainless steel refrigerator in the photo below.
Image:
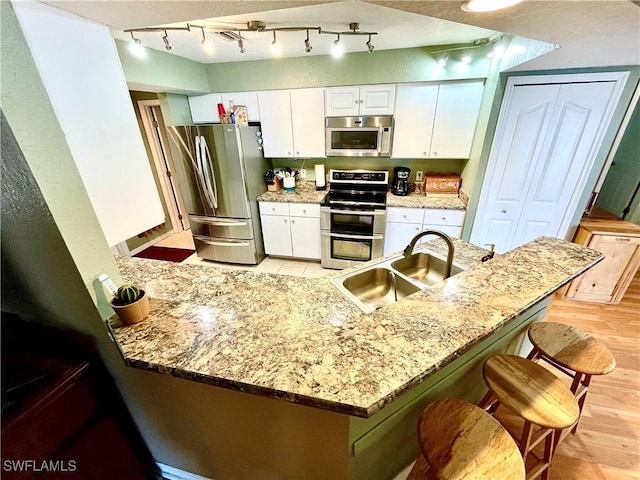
220	171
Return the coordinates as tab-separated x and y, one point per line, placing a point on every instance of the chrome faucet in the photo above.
409	249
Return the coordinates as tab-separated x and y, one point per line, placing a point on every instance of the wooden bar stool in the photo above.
460	441
573	352
536	395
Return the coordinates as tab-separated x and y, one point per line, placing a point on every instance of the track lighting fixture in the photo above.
206	43
167	43
487	5
260	27
275	46
466	57
241	44
370	45
336	49
307	44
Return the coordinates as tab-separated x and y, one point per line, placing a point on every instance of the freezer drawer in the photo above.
239	228
228	250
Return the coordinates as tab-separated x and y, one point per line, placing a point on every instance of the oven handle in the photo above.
355	237
359	212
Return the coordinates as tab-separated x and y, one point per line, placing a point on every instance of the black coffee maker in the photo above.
400	182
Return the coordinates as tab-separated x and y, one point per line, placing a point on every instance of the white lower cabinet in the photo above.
404	223
291	229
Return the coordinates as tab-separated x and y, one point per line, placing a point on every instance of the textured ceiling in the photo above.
589	32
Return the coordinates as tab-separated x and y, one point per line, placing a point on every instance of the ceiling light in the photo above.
497	51
206	43
167	43
370	45
442	61
336	49
275	46
307	44
466	58
487	5
136	47
241	45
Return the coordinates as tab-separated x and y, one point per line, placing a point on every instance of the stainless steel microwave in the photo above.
358	136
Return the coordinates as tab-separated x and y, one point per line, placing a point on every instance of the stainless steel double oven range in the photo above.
352	217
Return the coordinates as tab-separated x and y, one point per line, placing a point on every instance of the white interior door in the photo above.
563	166
548	135
516	148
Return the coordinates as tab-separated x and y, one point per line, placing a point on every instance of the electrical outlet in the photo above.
303	173
419	176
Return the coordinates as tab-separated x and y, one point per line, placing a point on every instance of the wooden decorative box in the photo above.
442	184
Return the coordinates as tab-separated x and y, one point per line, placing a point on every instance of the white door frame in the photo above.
170	192
620	79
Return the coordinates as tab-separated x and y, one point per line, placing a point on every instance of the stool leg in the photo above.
535	353
583	395
525	440
489	403
549	448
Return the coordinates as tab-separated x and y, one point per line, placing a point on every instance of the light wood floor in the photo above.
607	444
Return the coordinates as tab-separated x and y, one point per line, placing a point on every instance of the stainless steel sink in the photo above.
392	279
424	267
378	287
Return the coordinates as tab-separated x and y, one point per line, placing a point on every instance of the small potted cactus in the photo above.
131	304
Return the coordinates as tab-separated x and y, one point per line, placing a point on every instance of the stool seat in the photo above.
531	391
572	348
461	441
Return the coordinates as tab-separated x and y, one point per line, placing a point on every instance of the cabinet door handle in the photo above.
285	220
435	154
293	221
288	153
503	211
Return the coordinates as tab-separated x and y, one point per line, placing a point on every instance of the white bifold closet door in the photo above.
545	145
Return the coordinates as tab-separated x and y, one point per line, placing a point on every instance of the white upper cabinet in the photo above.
413	121
293	122
277	133
204	108
456	119
363	100
307	118
248	99
436	121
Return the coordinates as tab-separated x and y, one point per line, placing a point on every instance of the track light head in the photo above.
442	61
275	46
206	43
307	44
336	49
370	45
241	44
167	43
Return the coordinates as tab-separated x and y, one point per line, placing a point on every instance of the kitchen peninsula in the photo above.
358	380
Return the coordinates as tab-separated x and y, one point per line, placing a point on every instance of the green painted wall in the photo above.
175	109
624	173
162	72
384	66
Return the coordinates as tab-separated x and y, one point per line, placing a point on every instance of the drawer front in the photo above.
444	217
405	215
274	208
304	210
220	227
452	230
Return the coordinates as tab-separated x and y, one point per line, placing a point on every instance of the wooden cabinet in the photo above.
291	229
360	100
204	108
293	123
404	223
436	120
607	282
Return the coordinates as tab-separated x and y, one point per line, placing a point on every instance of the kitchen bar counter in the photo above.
413	200
300	340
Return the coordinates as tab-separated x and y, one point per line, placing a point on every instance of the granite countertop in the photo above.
300	340
305	192
414	200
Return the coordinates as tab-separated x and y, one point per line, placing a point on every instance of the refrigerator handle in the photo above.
210	171
202	172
